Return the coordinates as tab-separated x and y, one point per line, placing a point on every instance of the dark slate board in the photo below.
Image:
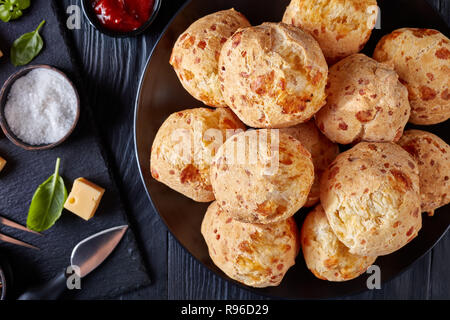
81	156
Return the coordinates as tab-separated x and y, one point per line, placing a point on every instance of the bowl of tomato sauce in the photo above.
121	18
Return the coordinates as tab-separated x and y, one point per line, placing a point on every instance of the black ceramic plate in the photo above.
161	94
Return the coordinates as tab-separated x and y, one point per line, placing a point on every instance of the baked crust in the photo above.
421	57
432	155
196	53
322	150
342	27
366	102
256	255
273	75
371	196
325	256
186	170
255	183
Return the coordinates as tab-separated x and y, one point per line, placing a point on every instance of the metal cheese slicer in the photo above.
6	222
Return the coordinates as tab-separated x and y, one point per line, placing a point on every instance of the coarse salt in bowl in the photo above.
41	107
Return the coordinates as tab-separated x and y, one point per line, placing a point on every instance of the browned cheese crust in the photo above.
325	256
432	155
371	196
322	150
186	170
256	255
366	102
265	184
421	57
342	27
196	53
273	75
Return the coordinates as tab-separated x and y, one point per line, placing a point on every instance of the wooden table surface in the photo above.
111	69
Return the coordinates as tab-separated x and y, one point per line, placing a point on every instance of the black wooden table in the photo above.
111	69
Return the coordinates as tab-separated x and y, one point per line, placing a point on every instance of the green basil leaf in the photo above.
27	47
5	12
16	14
23	4
12	9
47	203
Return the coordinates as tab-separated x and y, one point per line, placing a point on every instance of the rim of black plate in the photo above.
352	292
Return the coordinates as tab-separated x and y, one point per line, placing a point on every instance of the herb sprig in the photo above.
27	47
48	202
12	9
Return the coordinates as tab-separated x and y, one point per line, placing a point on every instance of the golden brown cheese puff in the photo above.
196	54
322	150
273	75
366	102
341	27
421	57
325	256
184	147
256	255
262	176
371	196
432	155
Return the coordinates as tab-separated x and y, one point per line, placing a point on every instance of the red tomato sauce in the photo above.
123	15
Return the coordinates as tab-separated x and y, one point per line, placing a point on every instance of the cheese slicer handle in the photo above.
52	290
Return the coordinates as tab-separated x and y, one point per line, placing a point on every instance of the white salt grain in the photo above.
41	107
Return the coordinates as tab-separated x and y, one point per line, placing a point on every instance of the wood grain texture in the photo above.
111	69
190	280
439	275
442	6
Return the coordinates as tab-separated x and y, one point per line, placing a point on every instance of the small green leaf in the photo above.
23	4
12	9
47	203
5	12
27	47
16	14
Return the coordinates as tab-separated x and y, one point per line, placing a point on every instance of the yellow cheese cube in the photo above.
84	198
2	163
